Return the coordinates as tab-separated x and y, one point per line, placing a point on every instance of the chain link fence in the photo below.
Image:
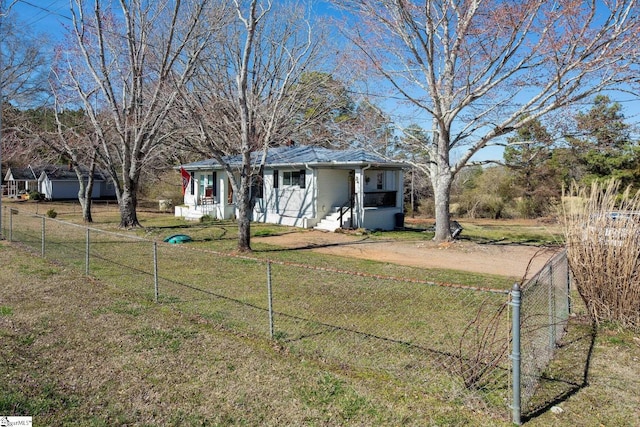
544	309
447	340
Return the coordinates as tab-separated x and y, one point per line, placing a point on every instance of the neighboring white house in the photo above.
61	182
21	180
55	182
307	187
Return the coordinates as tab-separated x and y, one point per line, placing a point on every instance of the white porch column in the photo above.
400	190
196	189
358	208
221	197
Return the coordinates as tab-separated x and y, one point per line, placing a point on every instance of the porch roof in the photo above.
53	172
22	174
302	155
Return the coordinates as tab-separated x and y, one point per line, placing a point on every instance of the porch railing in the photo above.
346	208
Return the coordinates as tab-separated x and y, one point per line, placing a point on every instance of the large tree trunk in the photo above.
85	189
84	197
243	202
442	195
244	228
86	211
441	179
128	208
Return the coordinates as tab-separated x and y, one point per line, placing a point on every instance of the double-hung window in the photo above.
291	178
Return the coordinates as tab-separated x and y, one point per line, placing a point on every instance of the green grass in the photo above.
46	398
129	371
511	237
483	231
204	354
513	233
325	305
130	308
96	360
150	338
332	393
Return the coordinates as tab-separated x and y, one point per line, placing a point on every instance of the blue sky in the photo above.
49	17
44	16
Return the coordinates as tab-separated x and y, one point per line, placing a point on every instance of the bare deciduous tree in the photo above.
23	62
17	148
74	140
248	94
125	66
475	70
22	80
47	136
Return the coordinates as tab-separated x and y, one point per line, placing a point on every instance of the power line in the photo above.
389	97
49	11
46	14
46	9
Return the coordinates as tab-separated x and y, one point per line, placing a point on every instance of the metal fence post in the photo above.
11	225
515	354
568	287
270	297
552	311
155	271
86	253
43	236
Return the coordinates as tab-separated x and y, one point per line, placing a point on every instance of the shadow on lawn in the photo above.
364	240
568	372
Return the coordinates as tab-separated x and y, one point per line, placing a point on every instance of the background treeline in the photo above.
538	162
590	146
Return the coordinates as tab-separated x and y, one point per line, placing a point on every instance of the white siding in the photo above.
68	189
325	189
287	204
380	218
333	189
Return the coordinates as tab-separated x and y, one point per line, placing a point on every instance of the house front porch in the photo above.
206	206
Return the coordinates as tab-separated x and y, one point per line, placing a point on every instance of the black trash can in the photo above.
400	220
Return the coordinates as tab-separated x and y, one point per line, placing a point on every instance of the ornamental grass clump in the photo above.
602	231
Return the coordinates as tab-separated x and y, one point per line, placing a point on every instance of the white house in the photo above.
21	180
59	182
305	186
55	182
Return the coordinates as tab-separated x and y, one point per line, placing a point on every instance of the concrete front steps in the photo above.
193	215
332	221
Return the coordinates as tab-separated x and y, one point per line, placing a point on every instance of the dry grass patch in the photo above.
85	352
81	352
603	242
603	389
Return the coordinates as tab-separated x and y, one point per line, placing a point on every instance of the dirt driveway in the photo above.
504	260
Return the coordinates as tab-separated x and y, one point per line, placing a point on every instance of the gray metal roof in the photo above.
23	174
303	155
64	173
54	172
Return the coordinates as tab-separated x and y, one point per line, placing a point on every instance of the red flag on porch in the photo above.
185	179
